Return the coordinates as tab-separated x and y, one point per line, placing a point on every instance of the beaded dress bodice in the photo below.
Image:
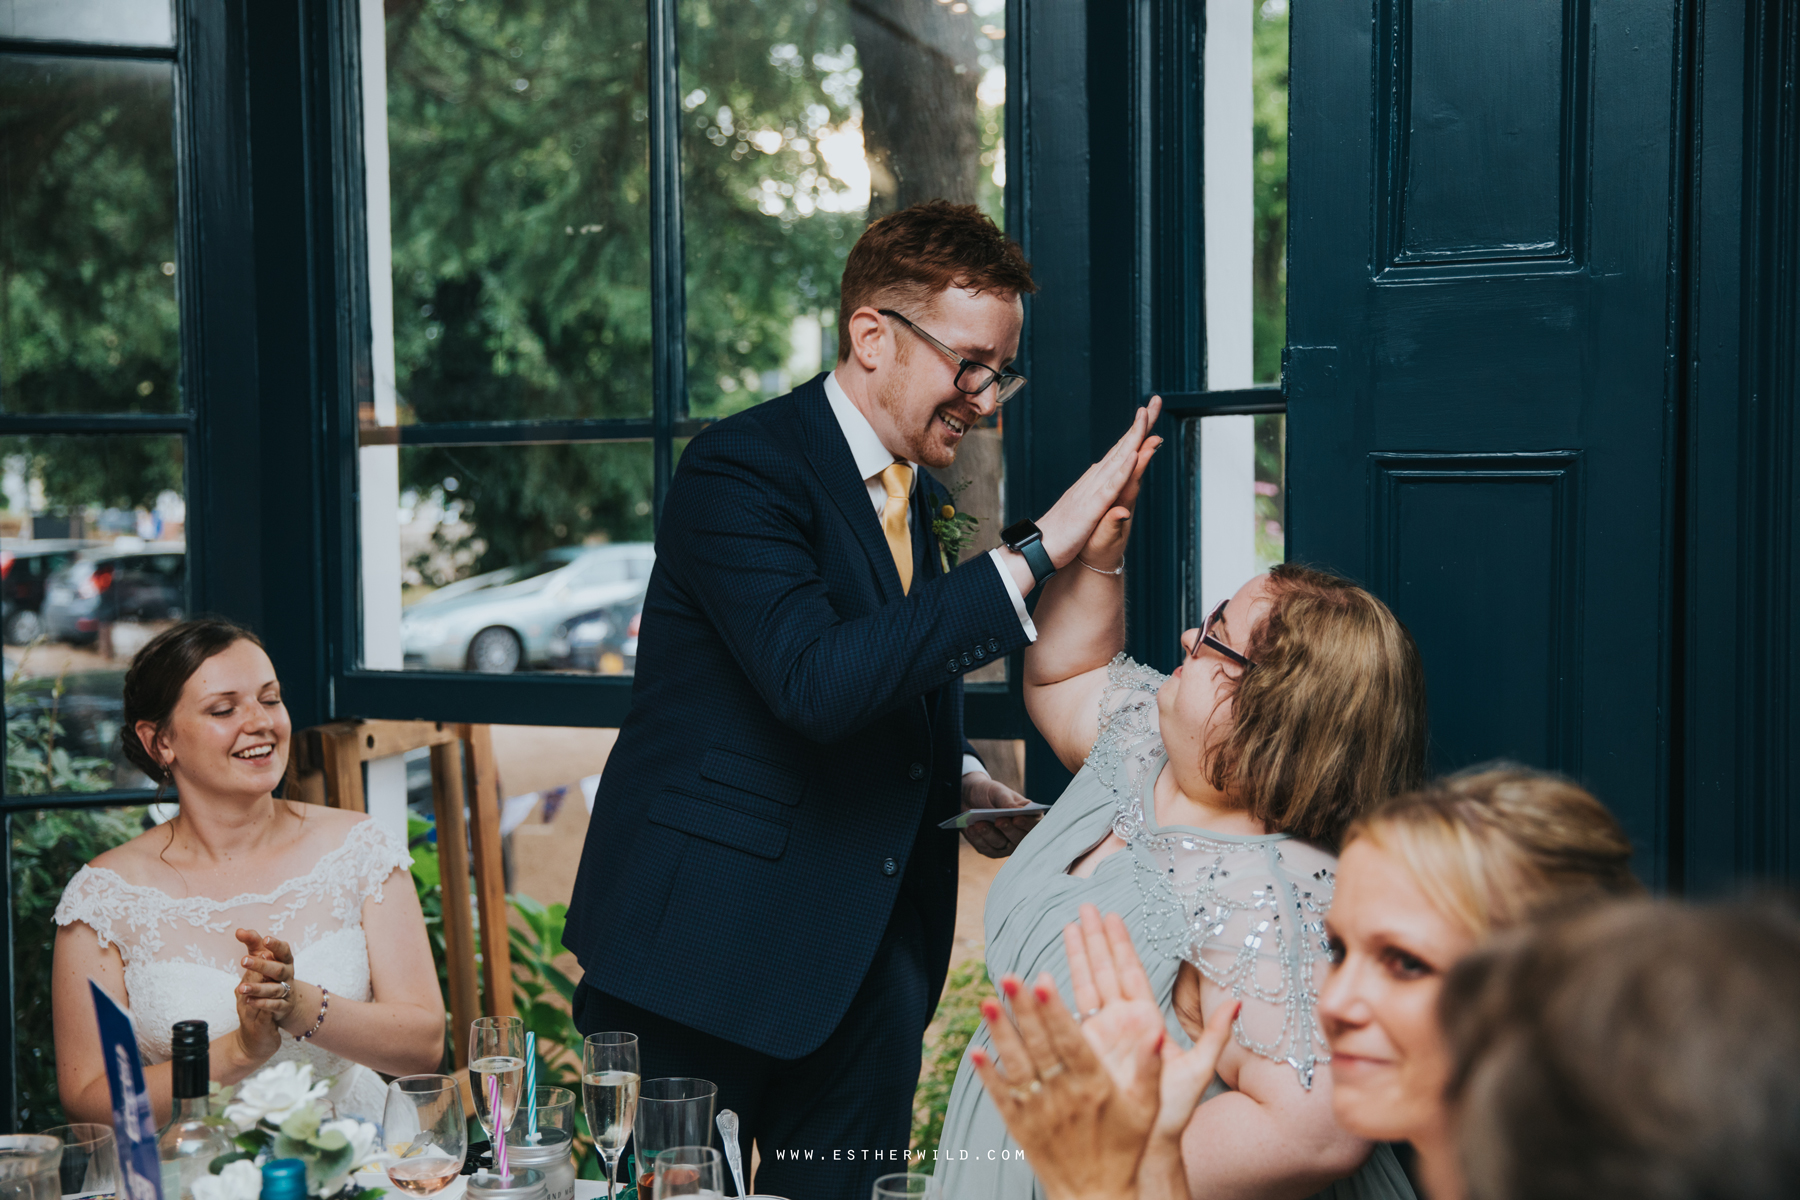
1247	912
181	955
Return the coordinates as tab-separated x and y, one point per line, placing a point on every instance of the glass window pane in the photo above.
88	319
1238	485
92	565
510	558
113	22
802	120
47	849
1269	80
515	149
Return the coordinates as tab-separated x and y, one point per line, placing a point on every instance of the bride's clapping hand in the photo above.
265	994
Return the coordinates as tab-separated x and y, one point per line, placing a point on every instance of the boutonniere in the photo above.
954	529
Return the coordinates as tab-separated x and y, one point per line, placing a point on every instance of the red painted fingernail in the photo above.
990	1008
1010	986
980	1059
1042	993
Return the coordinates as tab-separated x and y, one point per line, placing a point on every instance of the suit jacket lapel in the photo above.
829	453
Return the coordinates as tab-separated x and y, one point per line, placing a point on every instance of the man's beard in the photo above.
921	448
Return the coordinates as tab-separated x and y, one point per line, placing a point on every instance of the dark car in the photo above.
25	569
603	640
105	586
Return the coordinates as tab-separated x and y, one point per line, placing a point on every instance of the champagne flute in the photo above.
427	1133
609	1092
690	1171
496	1051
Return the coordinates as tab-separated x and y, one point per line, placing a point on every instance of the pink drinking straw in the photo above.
499	1134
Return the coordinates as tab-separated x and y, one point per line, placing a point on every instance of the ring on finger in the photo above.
1051	1072
1092	1012
287	988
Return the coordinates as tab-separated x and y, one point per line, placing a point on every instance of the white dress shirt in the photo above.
872	458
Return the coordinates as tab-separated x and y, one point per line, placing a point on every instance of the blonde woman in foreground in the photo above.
1423	881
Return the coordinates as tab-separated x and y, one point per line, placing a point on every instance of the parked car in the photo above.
25	569
506	624
104	586
603	641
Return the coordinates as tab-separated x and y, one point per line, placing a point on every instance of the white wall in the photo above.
1227	483
379	466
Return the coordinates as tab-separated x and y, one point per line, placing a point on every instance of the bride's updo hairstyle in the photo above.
1496	847
1332	717
157	674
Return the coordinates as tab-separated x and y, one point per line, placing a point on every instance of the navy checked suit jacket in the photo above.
795	736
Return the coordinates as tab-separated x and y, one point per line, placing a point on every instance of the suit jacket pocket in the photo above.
731	827
753	775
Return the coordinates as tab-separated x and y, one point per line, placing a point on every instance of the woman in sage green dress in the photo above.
1204	812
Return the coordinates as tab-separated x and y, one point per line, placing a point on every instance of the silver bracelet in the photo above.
1118	570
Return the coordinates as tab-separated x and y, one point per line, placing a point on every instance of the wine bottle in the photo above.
193	1137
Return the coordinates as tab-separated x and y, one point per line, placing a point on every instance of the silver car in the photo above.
502	621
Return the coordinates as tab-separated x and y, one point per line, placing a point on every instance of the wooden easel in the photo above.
326	768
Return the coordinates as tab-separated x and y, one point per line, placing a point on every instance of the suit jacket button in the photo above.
889	866
916	771
993	646
951	666
967	661
980	654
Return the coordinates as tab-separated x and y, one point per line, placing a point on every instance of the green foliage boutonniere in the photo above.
953	528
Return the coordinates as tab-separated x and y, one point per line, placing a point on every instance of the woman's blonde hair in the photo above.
1496	846
1332	717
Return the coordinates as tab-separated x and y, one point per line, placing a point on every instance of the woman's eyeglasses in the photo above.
1206	638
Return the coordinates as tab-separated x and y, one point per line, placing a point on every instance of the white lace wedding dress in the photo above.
181	956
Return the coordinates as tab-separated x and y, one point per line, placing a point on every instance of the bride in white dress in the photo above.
292	930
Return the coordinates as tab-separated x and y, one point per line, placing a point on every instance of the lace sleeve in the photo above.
1127	716
91	900
1251	918
374	855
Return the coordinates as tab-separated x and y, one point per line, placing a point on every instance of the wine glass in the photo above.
427	1133
609	1092
689	1171
90	1160
906	1186
496	1051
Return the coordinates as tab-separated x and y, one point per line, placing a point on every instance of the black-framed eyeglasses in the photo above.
972	378
1206	638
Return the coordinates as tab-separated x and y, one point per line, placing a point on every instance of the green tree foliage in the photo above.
519	148
1269	78
88	315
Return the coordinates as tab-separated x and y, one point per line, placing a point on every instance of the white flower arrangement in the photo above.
277	1112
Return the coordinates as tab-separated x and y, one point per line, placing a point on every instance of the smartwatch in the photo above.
1025	538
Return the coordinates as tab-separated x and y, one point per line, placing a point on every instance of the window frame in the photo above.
993	710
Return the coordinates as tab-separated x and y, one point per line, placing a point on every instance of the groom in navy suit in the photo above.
765	897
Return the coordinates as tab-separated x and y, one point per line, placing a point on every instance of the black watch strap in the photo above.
1037	558
1025	538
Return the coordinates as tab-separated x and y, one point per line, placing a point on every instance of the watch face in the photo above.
1020	531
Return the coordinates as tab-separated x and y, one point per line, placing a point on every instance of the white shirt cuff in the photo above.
1012	589
972	764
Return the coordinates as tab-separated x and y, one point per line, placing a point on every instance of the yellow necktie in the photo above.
896	478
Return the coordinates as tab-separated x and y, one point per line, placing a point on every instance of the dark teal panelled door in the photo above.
1479	313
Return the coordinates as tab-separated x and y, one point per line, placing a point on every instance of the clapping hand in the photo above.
1118	1006
265	994
1083	1132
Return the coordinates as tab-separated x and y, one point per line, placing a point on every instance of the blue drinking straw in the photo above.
531	1130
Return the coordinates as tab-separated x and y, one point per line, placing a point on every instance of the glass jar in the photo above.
551	1156
524	1183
